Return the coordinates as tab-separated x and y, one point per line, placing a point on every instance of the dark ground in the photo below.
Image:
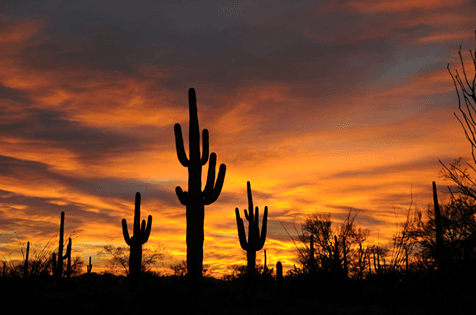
108	294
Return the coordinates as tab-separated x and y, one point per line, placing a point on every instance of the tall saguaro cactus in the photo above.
255	240
439	230
58	263
196	199
140	237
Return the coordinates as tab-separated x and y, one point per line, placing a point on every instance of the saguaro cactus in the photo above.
58	264
255	241
25	266
279	273
337	265
140	237
312	261
90	266
68	267
196	199
439	230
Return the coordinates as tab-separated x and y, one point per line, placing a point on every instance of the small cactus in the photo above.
90	266
279	273
255	240
25	266
312	261
337	264
439	231
68	266
140	237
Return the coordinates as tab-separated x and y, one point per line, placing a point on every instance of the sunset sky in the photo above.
322	105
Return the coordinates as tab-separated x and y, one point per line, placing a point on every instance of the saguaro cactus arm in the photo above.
241	230
145	231
125	232
142	232
182	156
212	190
182	195
264	227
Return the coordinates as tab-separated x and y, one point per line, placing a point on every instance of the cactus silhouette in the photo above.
196	199
439	231
89	266
58	264
68	267
25	266
255	241
265	268
312	260
336	255
140	237
279	273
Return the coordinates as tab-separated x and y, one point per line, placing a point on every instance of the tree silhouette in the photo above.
465	91
334	249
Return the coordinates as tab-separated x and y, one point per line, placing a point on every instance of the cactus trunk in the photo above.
279	273
439	231
90	266
59	273
68	267
58	261
25	267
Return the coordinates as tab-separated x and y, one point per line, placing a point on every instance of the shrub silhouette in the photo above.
196	199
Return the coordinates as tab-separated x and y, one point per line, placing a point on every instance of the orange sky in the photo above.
322	107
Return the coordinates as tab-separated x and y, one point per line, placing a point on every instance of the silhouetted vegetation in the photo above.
255	239
465	91
430	268
196	199
140	237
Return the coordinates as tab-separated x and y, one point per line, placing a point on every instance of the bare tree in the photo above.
119	261
465	90
335	250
